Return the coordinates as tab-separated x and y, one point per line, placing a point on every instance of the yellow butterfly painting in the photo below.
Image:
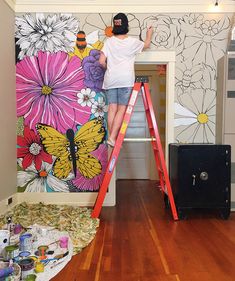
72	151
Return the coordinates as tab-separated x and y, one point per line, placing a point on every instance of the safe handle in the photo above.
194	180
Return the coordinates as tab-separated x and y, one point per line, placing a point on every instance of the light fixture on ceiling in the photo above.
216	3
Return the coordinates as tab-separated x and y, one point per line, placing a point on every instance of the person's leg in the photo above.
123	99
112	98
112	111
117	122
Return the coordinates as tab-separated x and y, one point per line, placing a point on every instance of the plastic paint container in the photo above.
26	242
17	228
11	252
39	267
64	241
27	267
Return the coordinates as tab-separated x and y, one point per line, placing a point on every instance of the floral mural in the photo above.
61	107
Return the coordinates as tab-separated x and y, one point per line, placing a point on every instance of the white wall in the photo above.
7	103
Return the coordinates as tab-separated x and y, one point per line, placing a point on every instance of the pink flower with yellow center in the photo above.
47	87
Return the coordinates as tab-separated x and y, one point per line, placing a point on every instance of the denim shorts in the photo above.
118	95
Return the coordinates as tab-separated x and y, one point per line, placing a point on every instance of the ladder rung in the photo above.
139	139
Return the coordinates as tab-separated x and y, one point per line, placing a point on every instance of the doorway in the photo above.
136	159
155	57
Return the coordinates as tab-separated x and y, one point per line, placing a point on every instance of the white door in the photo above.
136	159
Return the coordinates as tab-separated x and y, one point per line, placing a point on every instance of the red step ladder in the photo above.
141	83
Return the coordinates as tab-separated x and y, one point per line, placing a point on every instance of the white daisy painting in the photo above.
42	32
195	117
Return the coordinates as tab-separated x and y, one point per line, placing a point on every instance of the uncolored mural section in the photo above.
7	104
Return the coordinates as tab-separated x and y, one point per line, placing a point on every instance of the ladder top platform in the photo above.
143	79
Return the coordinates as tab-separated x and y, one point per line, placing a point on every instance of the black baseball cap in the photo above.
120	24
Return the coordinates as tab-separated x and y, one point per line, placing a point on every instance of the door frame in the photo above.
88	198
168	58
154	58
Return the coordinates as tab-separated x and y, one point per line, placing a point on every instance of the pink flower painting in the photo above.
47	87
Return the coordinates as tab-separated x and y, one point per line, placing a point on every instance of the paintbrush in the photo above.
57	257
56	264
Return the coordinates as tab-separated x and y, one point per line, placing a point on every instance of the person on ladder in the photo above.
118	58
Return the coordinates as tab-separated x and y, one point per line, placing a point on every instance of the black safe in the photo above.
200	176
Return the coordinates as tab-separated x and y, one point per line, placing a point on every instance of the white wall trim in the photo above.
77	199
82	199
109	6
168	58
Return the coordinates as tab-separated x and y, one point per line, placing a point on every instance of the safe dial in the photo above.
204	176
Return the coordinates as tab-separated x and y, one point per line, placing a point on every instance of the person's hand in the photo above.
148	38
150	30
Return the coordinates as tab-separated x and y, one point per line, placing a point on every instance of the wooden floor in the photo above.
138	241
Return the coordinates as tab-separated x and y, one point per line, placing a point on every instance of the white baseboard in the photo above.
77	199
80	199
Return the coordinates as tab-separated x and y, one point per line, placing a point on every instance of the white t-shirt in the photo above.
120	54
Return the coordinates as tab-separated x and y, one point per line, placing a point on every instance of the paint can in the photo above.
26	241
27	267
31	277
24	254
4	240
10	252
42	252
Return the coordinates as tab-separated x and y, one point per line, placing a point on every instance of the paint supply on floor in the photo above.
31	277
10	271
42	251
17	228
24	254
26	242
10	252
39	267
4	239
41	248
64	242
4	272
27	267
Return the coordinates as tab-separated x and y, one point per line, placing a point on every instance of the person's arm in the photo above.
102	60
147	41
